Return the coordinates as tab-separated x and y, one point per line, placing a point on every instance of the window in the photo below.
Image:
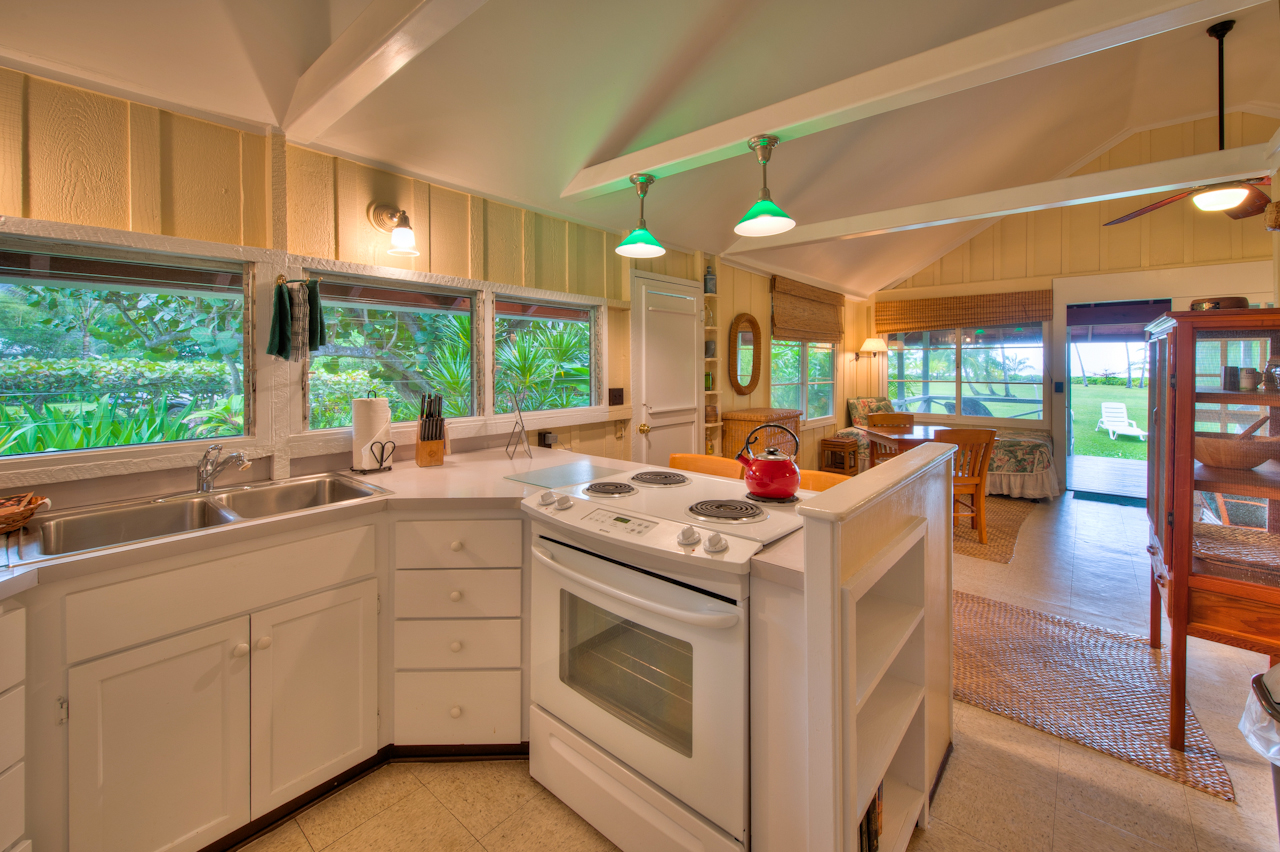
981	372
542	355
394	343
106	353
803	376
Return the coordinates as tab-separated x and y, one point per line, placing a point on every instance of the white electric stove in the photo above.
639	653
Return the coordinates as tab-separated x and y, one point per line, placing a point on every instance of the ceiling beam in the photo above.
1058	34
384	38
1163	176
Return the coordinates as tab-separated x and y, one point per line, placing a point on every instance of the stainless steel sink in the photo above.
111	524
293	495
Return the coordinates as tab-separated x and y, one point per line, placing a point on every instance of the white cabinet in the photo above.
13	700
315	691
159	743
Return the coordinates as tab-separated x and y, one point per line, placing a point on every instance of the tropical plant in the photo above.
42	428
221	420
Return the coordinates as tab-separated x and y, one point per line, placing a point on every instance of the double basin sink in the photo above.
111	524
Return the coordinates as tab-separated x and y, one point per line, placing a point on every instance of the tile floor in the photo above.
1008	787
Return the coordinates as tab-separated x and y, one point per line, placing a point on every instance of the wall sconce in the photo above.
394	221
871	346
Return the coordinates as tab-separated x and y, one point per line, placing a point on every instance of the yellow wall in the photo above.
1073	241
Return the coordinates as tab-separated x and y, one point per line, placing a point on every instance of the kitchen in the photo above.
382	446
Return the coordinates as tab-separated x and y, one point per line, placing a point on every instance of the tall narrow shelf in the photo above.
712	428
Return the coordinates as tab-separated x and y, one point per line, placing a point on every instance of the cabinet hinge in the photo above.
1173	381
1169	519
379	604
64	711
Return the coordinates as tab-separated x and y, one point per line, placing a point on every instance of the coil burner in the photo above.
609	489
660	477
727	511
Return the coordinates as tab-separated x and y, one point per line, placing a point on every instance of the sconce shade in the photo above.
394	221
874	344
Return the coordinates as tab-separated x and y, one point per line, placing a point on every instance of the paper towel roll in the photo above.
370	423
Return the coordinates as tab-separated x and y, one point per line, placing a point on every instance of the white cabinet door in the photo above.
159	743
315	691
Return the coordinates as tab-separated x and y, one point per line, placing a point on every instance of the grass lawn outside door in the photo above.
1086	407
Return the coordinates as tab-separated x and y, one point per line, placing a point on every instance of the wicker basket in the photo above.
738	424
19	510
1252	556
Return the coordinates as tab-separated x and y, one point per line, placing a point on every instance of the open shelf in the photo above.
713	423
711	328
882	723
1225	397
902	805
1262	481
883	627
711	359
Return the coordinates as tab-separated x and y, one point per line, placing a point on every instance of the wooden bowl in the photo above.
1236	453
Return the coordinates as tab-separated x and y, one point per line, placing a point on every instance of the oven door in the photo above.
652	672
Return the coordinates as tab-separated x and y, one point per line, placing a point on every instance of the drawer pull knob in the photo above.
455	596
456	546
240	650
455	647
455	712
264	643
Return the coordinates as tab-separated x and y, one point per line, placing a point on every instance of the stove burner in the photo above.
610	489
757	498
660	477
727	511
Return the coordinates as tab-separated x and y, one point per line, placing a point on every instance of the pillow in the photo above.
861	406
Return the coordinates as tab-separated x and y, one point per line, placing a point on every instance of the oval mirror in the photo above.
744	354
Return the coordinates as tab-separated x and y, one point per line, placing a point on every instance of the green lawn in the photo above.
1086	406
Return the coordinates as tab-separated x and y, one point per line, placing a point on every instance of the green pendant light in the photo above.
641	243
765	218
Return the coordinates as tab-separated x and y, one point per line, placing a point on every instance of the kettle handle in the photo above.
751	438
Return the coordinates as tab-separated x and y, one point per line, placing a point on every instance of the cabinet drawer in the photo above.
448	708
13	648
478	593
459	544
13	804
13	729
492	643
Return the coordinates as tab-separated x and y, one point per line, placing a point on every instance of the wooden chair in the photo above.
712	465
879	452
971	462
820	480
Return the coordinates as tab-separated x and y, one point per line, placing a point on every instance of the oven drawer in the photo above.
476	593
449	708
491	643
459	544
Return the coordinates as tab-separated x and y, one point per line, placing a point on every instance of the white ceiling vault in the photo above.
512	99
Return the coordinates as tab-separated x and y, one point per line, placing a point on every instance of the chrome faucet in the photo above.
212	464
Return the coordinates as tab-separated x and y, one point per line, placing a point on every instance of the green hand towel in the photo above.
281	321
315	332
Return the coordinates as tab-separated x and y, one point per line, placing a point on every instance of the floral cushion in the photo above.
861	406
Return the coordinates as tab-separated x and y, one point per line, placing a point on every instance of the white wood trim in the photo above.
1058	34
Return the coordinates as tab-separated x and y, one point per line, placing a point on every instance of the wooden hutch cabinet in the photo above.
1215	530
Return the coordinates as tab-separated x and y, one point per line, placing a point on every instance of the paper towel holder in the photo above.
381	451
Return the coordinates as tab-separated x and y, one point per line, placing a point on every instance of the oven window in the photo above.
643	677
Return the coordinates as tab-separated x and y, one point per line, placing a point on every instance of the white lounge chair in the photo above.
1115	419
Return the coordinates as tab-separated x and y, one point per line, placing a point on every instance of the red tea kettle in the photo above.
772	475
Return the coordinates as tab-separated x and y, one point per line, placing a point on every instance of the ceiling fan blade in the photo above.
1254	203
1161	203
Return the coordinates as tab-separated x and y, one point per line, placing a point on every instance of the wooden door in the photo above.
158	743
667	367
315	691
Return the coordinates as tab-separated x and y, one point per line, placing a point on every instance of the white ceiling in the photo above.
521	95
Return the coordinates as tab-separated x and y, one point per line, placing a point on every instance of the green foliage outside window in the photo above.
802	376
546	363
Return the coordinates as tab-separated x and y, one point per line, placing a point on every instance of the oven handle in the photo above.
715	620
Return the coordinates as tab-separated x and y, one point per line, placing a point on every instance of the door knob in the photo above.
455	647
455	596
455	712
264	643
240	650
456	546
643	428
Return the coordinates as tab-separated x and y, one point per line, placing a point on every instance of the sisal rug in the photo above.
1105	690
1004	518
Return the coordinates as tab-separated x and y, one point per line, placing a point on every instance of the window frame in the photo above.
804	382
594	360
1042	424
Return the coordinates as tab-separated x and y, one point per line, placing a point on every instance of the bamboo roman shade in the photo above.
964	311
807	314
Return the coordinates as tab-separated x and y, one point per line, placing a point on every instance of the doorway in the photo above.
1107	398
666	367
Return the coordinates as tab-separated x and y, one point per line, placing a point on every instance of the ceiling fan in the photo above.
1239	199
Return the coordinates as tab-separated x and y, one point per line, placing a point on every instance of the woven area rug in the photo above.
1004	518
1105	690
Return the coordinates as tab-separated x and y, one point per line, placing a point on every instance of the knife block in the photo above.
429	453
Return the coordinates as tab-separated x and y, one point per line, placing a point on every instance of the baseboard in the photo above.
512	751
942	767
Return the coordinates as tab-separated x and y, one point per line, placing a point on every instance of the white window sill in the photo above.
817	423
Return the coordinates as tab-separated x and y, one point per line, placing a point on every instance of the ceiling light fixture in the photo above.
641	243
394	221
765	218
1231	196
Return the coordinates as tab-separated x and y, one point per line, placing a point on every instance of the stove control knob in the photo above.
563	503
688	537
546	498
716	544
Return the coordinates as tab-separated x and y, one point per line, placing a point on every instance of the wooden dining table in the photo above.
897	439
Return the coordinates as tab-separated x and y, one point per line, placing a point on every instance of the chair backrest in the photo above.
893	418
1115	412
820	480
713	465
974	455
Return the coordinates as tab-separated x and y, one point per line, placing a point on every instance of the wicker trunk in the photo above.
738	424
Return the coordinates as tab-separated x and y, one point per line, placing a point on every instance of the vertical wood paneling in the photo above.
450	238
310	202
1047	237
278	175
589	262
355	188
475	236
421	222
144	169
12	129
199	179
951	266
504	243
620	351
982	256
78	156
617	275
549	264
254	190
